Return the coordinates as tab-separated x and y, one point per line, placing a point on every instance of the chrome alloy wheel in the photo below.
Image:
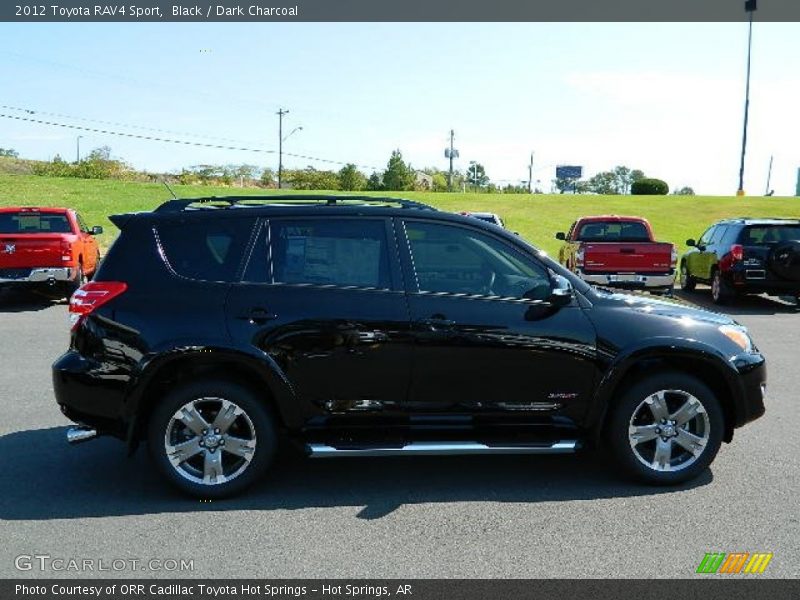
669	430
210	441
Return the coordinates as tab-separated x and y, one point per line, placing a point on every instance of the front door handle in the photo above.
258	316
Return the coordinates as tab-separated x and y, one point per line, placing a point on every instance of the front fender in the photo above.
699	354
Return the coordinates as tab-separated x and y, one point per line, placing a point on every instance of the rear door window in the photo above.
331	252
613	231
34	222
205	249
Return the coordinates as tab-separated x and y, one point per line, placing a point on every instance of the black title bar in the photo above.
393	11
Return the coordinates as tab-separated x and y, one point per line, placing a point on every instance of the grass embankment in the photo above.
536	218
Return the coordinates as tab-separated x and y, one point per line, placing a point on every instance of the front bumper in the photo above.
752	370
37	275
630	280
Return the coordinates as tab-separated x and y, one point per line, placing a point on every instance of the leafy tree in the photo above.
9	153
637	175
650	187
103	153
351	179
267	177
312	179
398	175
375	182
684	191
476	175
604	182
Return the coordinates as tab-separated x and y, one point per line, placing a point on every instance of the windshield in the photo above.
28	222
769	234
613	231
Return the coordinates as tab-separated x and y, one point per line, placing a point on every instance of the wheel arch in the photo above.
721	378
173	368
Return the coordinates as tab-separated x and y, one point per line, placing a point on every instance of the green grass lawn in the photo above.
537	217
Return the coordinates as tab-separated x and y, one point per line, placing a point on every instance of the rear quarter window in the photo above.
205	249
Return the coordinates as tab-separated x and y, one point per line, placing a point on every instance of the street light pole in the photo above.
749	7
78	150
280	114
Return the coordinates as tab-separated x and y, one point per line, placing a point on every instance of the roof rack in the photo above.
182	204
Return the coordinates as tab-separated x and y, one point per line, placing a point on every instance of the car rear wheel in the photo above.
666	429
721	292
75	284
688	283
212	438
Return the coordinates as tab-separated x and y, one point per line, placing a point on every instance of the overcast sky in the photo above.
664	98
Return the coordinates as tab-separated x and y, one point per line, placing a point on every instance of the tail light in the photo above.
674	257
91	296
66	251
579	254
737	252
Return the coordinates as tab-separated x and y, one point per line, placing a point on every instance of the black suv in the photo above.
741	256
374	327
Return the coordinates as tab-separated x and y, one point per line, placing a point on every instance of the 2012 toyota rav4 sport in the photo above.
381	327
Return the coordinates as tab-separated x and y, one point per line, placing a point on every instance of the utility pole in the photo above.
280	114
451	153
769	176
749	7
530	175
78	149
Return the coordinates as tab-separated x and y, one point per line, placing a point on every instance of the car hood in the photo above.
662	307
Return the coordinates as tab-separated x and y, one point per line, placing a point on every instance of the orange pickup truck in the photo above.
46	247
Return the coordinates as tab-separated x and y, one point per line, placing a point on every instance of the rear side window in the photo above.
205	249
31	222
340	252
613	231
769	234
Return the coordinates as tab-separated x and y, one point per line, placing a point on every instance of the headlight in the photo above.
738	335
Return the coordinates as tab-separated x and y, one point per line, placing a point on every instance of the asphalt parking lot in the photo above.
487	517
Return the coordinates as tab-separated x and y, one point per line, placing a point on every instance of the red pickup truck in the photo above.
618	252
46	247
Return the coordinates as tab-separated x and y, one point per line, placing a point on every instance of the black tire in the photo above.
207	396
631	407
688	283
75	284
721	292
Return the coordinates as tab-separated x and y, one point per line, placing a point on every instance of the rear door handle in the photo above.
438	322
258	315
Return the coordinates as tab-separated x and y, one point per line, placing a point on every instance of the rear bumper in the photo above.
755	280
630	281
36	275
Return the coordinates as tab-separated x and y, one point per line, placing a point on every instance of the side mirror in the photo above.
561	292
560	236
96	230
690	242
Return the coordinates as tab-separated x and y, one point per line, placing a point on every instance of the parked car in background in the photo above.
378	327
46	248
745	256
486	216
618	252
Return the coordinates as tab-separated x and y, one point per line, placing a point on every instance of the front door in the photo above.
487	338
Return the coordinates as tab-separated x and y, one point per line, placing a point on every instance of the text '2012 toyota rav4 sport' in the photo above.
374	327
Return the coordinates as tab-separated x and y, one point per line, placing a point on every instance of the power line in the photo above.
180	142
31	111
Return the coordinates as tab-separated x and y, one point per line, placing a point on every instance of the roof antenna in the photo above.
166	185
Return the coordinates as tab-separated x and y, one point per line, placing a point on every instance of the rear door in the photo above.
323	297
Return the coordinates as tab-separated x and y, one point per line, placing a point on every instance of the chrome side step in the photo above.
76	435
440	449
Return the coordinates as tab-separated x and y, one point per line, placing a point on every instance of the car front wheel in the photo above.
688	282
666	429
212	438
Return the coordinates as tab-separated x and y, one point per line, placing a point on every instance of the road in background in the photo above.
505	516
